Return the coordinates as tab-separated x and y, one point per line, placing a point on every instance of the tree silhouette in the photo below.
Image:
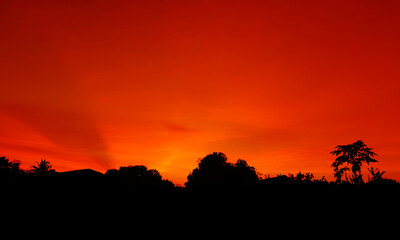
42	169
244	173
9	168
300	177
214	171
139	176
351	157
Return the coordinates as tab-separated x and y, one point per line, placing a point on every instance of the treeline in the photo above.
213	172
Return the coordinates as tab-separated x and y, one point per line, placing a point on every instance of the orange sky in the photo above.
101	84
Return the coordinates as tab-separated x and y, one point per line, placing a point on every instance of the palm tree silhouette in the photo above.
43	168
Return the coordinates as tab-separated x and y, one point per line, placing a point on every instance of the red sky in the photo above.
102	84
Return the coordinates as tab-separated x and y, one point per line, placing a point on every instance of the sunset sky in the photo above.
103	84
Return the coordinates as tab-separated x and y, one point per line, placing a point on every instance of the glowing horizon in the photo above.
279	84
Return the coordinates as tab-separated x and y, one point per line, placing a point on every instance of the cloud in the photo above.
40	91
70	130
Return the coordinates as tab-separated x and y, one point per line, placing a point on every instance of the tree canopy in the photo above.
214	171
351	157
42	168
9	168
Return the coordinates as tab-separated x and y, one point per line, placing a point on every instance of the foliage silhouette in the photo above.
138	176
298	179
376	174
42	168
214	171
352	155
9	168
377	178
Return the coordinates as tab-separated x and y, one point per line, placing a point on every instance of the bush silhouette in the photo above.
9	168
214	171
138	176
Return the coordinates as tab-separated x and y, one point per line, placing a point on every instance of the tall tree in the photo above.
351	157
